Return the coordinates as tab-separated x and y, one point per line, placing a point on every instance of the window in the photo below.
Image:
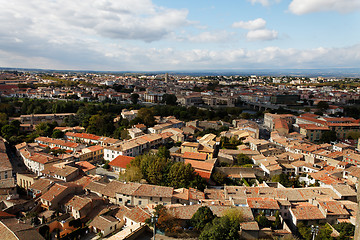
160	198
139	202
120	199
150	198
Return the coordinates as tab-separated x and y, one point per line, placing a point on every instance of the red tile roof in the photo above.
121	161
262	203
85	166
53	192
195	156
306	211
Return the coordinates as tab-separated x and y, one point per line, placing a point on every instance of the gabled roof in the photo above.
153	191
262	203
333	207
41	184
53	192
306	211
78	202
195	156
85	166
121	161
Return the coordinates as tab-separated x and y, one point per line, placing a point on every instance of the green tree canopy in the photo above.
147	116
201	217
221	228
328	136
322	105
169	99
242	159
134	98
57	134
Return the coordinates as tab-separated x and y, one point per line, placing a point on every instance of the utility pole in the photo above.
154	220
314	231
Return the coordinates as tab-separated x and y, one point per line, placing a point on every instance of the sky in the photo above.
170	35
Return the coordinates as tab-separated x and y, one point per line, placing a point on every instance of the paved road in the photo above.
104	172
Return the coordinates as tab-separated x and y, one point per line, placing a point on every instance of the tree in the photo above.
245	115
304	231
133	174
221	228
234	214
3	119
106	165
57	134
147	116
353	135
101	125
169	99
346	230
45	129
8	131
322	105
163	152
201	217
328	136
277	223
219	178
166	222
242	159
262	221
134	98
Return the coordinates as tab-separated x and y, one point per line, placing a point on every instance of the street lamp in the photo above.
314	231
154	219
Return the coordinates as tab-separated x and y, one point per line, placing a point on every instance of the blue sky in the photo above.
156	35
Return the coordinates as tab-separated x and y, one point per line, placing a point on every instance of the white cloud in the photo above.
100	56
265	3
127	19
300	7
210	37
262	35
258	23
257	30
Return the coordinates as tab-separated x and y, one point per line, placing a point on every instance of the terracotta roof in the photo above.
153	191
95	148
63	171
306	211
121	161
333	208
41	184
103	222
137	214
191	144
85	166
78	202
195	156
83	135
262	203
53	192
200	165
249	226
313	127
49	141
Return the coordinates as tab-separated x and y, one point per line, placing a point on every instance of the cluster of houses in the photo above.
63	186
